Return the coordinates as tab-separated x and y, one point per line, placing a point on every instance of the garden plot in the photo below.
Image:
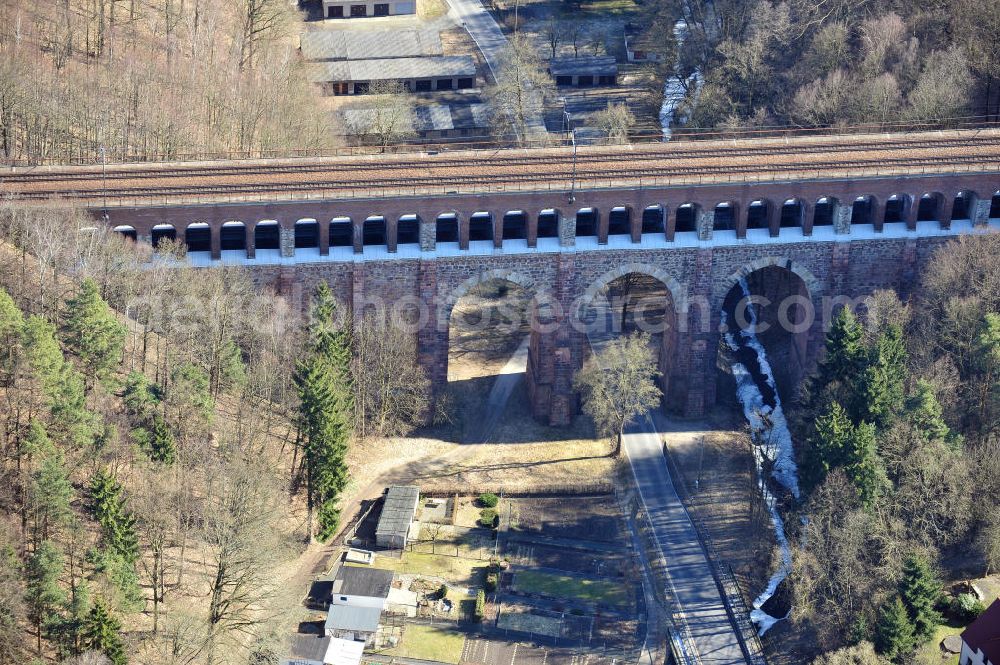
526	553
594	517
613	594
548	623
456	541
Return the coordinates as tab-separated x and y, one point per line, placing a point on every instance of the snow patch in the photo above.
770	433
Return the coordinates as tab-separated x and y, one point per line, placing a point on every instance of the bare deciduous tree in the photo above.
386	116
619	385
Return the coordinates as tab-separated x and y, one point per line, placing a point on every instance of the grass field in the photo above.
561	586
931	654
429	643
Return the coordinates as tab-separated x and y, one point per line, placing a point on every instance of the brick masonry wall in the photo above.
700	280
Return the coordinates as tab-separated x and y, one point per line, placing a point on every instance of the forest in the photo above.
170	445
897	440
750	64
86	80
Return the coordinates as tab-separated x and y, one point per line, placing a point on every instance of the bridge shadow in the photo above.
466	406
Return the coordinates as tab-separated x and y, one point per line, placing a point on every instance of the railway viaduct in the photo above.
838	217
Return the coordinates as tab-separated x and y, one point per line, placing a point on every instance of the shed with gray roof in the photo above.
326	45
584	72
354	77
398	511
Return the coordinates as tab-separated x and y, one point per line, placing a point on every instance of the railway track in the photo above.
960	149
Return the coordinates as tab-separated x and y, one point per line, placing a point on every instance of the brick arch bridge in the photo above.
844	233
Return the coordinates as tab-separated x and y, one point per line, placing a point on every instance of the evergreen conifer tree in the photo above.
43	595
101	632
161	441
845	352
51	494
880	395
920	591
924	412
894	637
93	332
828	445
326	411
11	324
863	465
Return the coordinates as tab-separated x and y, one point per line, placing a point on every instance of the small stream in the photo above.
758	393
675	87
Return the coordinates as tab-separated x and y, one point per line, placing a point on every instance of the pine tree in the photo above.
161	441
93	332
845	353
880	394
920	591
41	352
894	633
326	411
11	324
863	465
924	413
118	526
828	444
101	632
77	611
44	596
51	494
138	395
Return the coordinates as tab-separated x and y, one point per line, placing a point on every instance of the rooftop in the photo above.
346	617
397	511
369	44
307	648
391	69
585	66
984	633
370	582
344	652
428	117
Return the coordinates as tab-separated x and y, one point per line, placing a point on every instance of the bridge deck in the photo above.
548	169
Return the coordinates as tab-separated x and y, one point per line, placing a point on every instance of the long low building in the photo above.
427	121
330	45
363	9
354	77
584	71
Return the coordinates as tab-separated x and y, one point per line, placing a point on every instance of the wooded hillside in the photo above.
154	79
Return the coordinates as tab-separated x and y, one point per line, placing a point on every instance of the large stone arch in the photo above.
672	381
789	289
448	302
813	284
678	294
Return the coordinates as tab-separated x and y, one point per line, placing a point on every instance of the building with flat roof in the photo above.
423	74
329	45
364	9
398	511
585	71
361	587
981	640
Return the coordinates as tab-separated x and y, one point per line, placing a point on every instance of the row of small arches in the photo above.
514	225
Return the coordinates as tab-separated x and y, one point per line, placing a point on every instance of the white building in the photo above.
361	587
981	640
